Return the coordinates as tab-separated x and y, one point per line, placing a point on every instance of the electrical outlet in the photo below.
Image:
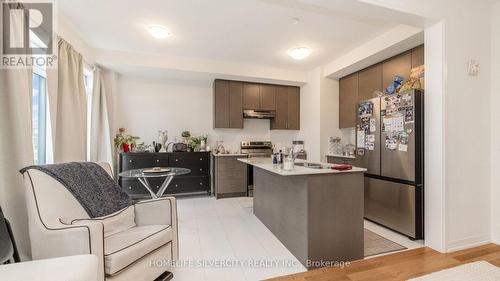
472	67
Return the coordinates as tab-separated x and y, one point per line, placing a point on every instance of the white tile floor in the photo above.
226	231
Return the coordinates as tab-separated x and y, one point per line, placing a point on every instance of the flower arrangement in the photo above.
125	142
196	143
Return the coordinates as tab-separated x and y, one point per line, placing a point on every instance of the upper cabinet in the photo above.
251	96
398	65
287	109
267	97
369	82
228	104
348	100
232	97
259	96
364	84
417	56
293	108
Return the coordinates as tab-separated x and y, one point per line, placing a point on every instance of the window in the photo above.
88	82
39	117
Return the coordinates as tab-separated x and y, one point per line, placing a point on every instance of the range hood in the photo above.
258	114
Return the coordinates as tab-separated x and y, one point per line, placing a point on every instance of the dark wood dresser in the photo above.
196	182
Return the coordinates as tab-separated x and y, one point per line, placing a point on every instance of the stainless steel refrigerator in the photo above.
389	141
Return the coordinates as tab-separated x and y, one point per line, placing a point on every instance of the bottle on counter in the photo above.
275	158
280	157
289	163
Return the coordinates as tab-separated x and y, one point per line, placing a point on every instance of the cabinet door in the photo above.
369	81
281	119
231	175
348	97
293	108
267	97
251	96
399	65
417	56
221	104
235	105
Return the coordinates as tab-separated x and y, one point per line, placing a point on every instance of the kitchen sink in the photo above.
311	165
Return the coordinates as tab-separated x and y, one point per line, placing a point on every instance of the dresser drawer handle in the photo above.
130	161
176	160
201	183
130	187
201	159
201	170
176	185
157	160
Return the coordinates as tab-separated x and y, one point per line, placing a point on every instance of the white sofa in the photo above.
136	243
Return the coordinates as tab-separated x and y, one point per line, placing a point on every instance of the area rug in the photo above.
376	244
476	271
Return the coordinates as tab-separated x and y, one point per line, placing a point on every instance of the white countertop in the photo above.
341	156
230	154
266	164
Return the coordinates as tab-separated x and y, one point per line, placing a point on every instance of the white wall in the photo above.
495	123
310	116
145	106
329	113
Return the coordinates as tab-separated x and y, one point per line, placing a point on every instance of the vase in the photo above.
203	145
126	147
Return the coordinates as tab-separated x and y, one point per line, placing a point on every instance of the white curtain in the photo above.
100	136
16	145
67	103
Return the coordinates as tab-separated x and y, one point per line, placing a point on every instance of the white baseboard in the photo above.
466	243
496	239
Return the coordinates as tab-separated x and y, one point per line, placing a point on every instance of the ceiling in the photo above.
256	32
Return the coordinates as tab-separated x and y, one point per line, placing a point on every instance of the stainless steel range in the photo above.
257	148
254	149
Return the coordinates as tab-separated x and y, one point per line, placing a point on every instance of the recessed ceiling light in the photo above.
158	31
299	53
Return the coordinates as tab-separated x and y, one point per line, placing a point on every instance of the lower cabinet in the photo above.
230	176
198	181
341	160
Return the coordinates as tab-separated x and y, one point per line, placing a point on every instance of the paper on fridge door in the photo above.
373	127
360	141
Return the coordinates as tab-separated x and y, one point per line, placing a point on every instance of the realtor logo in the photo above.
27	34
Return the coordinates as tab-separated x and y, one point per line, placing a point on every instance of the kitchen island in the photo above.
316	213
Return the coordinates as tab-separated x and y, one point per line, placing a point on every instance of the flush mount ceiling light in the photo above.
299	53
158	31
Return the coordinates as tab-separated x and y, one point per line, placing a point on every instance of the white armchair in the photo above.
127	243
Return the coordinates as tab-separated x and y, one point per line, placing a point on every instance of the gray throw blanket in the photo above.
90	184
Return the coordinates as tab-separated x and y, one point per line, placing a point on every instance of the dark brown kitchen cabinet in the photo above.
251	96
348	100
361	85
279	122
398	65
259	96
230	176
267	97
228	104
293	108
369	81
231	98
287	109
235	105
417	56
